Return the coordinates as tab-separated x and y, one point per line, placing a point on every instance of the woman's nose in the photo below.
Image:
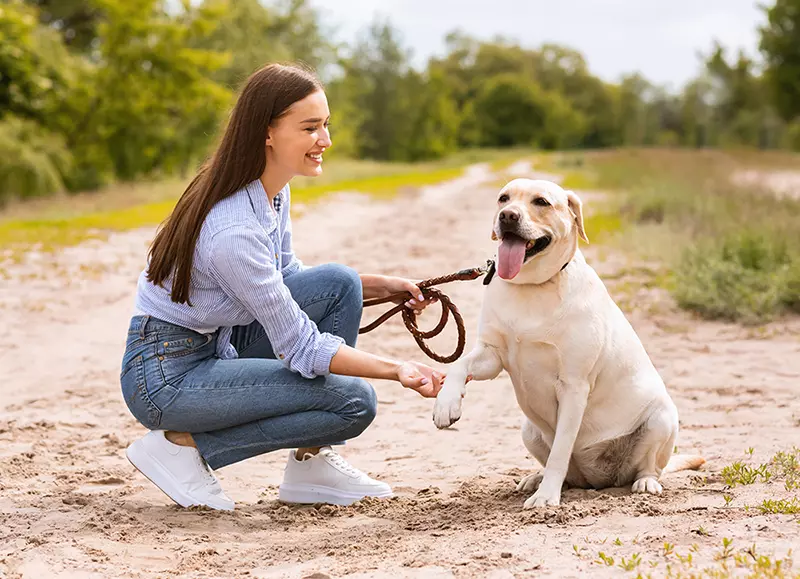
325	138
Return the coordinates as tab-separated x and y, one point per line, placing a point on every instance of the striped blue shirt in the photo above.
243	253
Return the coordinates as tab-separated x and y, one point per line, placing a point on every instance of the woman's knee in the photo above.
362	403
344	279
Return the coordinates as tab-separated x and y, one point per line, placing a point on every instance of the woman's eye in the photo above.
541	201
311	129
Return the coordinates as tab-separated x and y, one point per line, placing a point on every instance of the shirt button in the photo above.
280	356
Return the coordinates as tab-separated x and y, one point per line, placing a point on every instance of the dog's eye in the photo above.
541	201
503	198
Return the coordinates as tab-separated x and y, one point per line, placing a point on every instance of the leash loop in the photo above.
448	307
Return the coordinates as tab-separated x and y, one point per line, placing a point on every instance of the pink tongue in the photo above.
510	256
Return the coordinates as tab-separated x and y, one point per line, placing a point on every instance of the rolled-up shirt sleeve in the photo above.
243	264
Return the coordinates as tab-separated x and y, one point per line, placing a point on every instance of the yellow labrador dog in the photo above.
597	413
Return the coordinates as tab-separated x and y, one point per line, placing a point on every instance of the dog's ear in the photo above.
576	207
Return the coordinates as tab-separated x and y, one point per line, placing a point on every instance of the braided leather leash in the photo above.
448	307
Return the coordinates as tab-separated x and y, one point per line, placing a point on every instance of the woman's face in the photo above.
296	141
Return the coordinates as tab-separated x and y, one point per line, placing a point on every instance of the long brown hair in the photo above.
239	159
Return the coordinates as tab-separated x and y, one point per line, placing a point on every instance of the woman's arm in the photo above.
352	362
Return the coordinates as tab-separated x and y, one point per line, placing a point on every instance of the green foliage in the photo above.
31	159
33	64
780	45
511	111
138	89
742	277
735	250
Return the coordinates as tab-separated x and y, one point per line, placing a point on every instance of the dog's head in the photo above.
538	225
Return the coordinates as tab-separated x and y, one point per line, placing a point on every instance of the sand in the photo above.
72	506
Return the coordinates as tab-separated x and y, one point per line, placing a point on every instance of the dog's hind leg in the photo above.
652	453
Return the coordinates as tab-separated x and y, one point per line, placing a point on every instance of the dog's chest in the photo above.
534	370
527	333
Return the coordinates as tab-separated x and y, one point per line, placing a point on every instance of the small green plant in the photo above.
669	549
728	500
782	507
786	465
605	559
630	564
727	550
741	474
617	541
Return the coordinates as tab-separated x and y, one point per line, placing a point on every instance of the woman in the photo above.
236	348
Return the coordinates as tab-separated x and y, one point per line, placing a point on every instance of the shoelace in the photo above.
209	477
340	462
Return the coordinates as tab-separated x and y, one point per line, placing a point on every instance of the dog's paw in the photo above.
647	484
530	483
542	498
447	410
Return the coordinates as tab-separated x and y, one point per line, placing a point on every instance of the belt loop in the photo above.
143	325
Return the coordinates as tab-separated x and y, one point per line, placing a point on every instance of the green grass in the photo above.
734	250
60	221
784	465
780	507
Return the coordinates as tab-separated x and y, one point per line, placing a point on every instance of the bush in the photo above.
32	161
749	278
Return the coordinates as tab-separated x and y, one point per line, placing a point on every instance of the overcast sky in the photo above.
659	38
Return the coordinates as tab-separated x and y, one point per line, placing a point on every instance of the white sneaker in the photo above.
177	470
327	478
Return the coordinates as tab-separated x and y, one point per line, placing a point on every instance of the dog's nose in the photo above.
509	215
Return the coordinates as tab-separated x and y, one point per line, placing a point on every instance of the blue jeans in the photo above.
235	409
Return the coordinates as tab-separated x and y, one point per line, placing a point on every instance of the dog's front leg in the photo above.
572	400
482	363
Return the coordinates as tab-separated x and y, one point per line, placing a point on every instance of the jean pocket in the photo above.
182	345
134	389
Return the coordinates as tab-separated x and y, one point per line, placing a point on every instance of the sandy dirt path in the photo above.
72	506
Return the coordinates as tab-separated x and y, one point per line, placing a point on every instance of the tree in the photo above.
780	46
433	115
143	94
253	34
75	20
34	64
510	111
376	80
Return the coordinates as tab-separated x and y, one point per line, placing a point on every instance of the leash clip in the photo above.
489	270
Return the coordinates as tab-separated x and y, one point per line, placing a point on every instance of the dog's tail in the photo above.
684	462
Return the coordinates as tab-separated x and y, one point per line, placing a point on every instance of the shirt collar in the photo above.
265	215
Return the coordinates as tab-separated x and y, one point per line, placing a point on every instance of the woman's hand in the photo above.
424	379
379	286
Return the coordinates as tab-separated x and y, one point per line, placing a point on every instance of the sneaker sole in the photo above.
157	474
312	494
